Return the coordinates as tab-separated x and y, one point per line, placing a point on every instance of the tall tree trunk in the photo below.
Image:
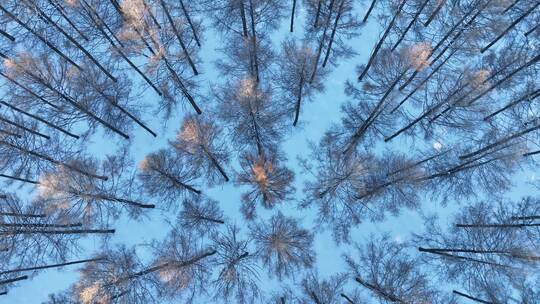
424	81
19	126
12	280
500	142
51	46
381	41
50	266
413	21
532	30
323	39
175	181
254	40
526	218
19	179
27	89
299	98
318	13
292	15
435	12
14	214
75	104
243	17
458	257
496	225
69	231
176	264
39	119
510	27
99	25
215	163
471	297
530	96
369	11
180	40
510	6
7	35
415	121
74	41
333	34
9	133
59	9
349	300
372	116
191	25
38	225
51	160
379	291
183	88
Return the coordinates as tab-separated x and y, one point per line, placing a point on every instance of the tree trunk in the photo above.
254	40
51	160
3	282
184	90
180	40
63	14
299	99
526	218
496	225
244	20
23	128
115	199
28	90
500	142
216	163
69	231
191	25
424	81
50	266
381	41
52	47
369	11
333	34
323	38
98	22
75	104
510	6
292	15
75	42
379	291
318	14
177	264
510	27
471	297
314	297
8	36
22	214
176	181
530	96
19	179
372	116
349	300
415	121
213	220
457	257
38	225
39	119
8	133
534	29
413	21
435	13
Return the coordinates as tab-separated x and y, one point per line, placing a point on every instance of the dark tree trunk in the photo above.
510	6
27	89
323	38
3	282
191	25
63	14
8	36
413	21
435	13
50	266
21	214
39	119
19	179
496	225
381	41
183	88
379	291
333	34
534	29
298	99
318	14
369	11
19	126
69	231
349	300
38	225
180	40
53	161
471	297
254	40
244	20
52	47
216	163
510	27
528	96
292	15
177	182
457	257
526	218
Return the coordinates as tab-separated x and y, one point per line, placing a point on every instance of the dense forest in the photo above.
439	121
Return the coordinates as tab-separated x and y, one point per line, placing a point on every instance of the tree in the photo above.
283	245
